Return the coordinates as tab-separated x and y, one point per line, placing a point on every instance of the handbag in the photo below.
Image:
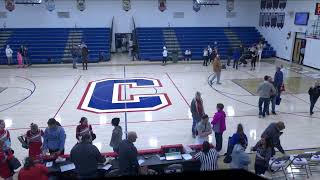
14	163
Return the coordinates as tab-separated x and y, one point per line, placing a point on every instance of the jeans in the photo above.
74	62
253	62
194	125
205	60
313	101
164	60
259	169
9	60
265	102
273	103
216	75
235	64
218	137
85	63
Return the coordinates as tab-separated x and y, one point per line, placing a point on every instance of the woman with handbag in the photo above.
34	141
5	171
4	136
84	128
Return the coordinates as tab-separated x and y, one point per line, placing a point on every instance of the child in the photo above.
84	128
20	60
116	137
263	155
34	141
219	125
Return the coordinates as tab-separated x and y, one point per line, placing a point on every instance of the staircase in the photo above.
74	39
171	41
233	38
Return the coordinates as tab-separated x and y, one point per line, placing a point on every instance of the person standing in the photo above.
203	130
74	55
84	54
260	49
205	57
164	55
130	47
84	128
20	59
263	155
265	90
254	53
278	81
219	125
4	136
128	156
217	70
54	138
197	111
32	171
208	157
229	55
25	55
236	58
272	99
272	133
9	53
5	172
302	51
240	159
210	51
34	141
314	93
86	157
116	136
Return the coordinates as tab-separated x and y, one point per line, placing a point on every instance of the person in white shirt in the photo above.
9	53
260	47
187	55
209	50
164	55
205	57
284	71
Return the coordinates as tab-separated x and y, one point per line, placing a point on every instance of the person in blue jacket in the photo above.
278	81
54	138
236	58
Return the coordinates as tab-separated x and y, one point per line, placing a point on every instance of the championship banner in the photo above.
50	5
280	20
261	19
162	5
269	4
275	4
230	5
274	17
9	4
81	5
196	6
263	4
126	5
267	19
282	4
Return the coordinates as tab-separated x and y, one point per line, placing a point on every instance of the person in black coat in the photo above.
128	156
314	93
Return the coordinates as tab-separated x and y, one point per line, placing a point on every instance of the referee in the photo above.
208	157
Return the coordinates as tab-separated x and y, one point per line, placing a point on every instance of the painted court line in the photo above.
67	96
178	90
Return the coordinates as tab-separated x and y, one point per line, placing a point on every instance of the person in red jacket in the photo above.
84	128
34	140
5	171
32	171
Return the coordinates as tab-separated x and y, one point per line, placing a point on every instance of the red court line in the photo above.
67	96
178	90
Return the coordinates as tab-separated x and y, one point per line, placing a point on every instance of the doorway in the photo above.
122	42
299	48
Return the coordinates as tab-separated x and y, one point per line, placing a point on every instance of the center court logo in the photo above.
108	96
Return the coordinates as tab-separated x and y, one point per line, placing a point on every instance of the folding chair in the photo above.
314	162
277	166
299	162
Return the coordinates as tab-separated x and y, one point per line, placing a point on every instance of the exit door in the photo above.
298	51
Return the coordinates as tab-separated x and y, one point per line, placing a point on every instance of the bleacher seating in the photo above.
46	43
151	40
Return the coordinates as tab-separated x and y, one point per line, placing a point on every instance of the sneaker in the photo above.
267	113
260	116
311	113
274	113
218	83
263	116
